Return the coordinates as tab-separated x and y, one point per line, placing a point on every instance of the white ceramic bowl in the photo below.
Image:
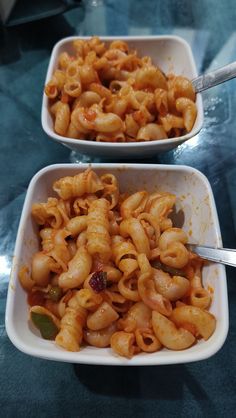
196	200
171	54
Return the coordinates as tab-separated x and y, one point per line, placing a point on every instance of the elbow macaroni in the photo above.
97	247
107	93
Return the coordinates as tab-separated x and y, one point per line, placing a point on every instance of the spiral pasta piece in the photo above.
81	204
198	295
99	241
111	189
124	254
169	335
203	321
102	317
147	290
172	288
100	338
133	228
71	333
85	182
122	343
42	266
146	340
134	204
138	316
161	206
48	213
176	255
128	287
78	269
55	245
62	117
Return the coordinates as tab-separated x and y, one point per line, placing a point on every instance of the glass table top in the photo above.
31	387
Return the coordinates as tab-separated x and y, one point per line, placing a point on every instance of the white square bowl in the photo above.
171	54
194	198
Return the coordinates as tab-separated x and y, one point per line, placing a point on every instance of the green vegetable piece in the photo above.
55	293
45	324
174	272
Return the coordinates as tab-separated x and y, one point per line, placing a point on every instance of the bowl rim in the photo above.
119	145
177	357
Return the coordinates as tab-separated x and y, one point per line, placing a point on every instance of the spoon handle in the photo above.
219	255
211	79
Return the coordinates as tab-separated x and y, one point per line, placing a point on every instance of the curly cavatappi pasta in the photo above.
113	271
107	93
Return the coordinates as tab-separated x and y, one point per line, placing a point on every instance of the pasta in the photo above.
113	271
107	93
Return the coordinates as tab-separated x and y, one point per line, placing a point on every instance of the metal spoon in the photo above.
219	255
213	78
